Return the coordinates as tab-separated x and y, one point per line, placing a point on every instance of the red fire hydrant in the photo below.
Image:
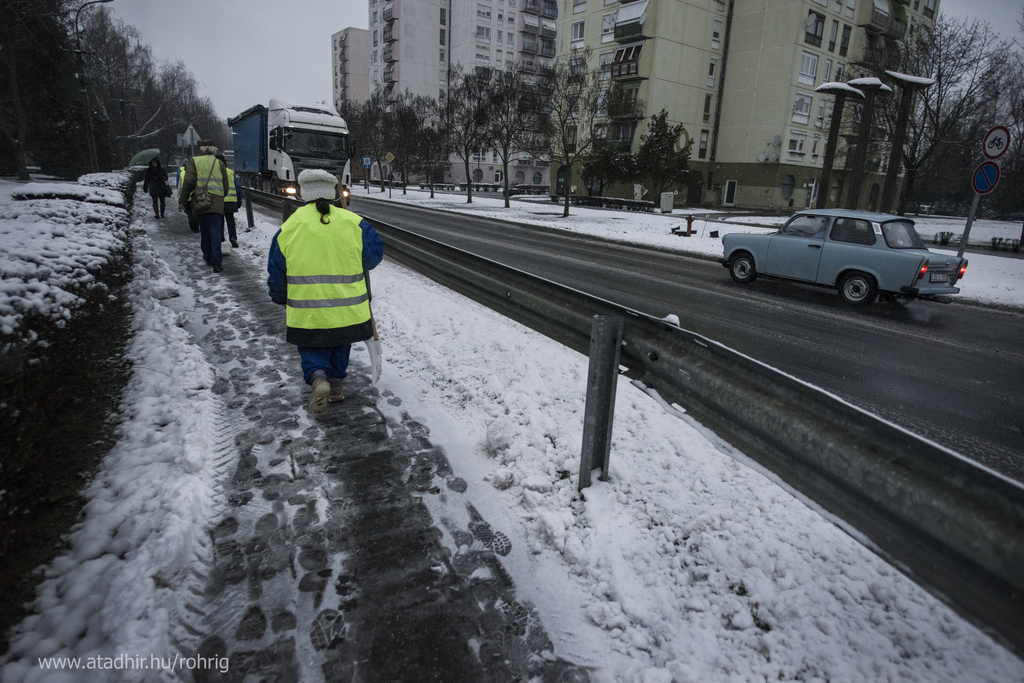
689	224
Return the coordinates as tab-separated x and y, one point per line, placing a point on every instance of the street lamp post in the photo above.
93	156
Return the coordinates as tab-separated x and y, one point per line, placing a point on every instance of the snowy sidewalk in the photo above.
276	543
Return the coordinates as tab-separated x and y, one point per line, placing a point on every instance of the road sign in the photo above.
390	157
997	141
190	137
367	162
985	177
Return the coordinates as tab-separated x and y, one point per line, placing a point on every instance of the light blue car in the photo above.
860	253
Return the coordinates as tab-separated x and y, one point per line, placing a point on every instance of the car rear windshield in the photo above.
901	235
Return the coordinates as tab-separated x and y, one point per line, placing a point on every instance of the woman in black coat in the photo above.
156	185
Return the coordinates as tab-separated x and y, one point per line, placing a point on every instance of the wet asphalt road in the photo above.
952	373
326	564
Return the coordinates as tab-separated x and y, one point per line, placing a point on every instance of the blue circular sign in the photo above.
985	177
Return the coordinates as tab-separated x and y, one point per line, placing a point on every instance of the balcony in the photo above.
529	47
528	68
550	10
898	28
531	25
388	15
549	30
626	71
388	55
881	17
630	20
390	74
389	35
531	6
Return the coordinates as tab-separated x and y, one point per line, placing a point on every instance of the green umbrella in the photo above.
144	157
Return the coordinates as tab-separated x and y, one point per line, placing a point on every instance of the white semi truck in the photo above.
274	144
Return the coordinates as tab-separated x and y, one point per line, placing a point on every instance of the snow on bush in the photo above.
55	238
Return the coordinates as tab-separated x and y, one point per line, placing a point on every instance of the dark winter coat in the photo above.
155	180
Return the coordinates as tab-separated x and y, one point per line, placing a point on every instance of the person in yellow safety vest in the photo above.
193	224
231	202
317	265
206	170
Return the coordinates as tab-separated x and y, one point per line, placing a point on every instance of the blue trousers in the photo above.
331	359
211	228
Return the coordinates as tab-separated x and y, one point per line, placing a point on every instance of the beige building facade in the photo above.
741	76
350	67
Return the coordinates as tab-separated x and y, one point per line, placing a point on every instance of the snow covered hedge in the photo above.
57	241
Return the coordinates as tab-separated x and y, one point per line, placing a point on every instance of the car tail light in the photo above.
923	271
963	269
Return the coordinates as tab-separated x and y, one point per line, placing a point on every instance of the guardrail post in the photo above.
602	380
287	208
248	209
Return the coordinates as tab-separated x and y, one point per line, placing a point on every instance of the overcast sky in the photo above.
244	52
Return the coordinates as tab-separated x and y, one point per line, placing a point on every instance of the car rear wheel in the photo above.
858	289
741	267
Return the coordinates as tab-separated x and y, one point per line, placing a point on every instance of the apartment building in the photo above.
741	76
351	68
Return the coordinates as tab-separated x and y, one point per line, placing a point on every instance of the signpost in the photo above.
190	138
986	176
390	157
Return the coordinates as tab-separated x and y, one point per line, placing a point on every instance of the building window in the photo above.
929	8
374	18
712	66
839	6
579	6
796	144
720	5
441	58
802	108
605	60
816	145
707	107
832	36
444	17
608	27
442	37
808	69
839	72
373	57
821	113
483	13
375	39
844	44
702	150
537	177
511	20
815	25
828	70
483	55
483	33
577	33
716	34
851	6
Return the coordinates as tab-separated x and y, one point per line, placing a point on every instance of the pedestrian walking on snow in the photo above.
316	269
155	183
231	201
206	175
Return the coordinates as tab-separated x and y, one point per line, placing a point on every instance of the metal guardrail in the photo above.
953	525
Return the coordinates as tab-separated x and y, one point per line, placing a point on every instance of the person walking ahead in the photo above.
207	171
155	183
316	268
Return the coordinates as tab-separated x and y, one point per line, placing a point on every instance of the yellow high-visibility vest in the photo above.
231	196
326	287
207	174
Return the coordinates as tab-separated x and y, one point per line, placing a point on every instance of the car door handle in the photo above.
814	246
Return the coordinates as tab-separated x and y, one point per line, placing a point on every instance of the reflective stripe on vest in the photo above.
231	196
205	166
326	288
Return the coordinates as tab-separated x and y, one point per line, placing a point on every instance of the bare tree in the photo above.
374	119
433	154
404	134
968	64
568	126
512	105
464	113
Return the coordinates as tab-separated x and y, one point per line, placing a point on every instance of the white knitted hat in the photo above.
315	183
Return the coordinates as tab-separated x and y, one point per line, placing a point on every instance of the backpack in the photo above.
201	197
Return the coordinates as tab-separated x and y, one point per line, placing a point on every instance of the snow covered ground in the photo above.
688	565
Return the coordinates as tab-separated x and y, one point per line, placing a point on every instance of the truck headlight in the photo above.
345	192
289	190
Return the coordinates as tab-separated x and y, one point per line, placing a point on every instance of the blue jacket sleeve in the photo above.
277	282
373	247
